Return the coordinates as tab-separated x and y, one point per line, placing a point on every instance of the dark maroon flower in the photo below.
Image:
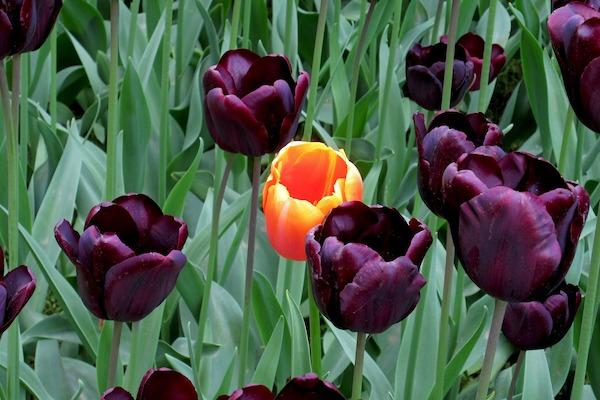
450	135
540	324
252	103
575	35
305	387
515	221
157	384
25	24
425	67
560	3
474	45
16	288
127	258
364	262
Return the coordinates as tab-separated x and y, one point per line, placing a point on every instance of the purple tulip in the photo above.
515	221
560	3
25	24
540	324
127	258
474	45
157	384
305	387
16	288
425	67
364	262
252	103
450	134
575	35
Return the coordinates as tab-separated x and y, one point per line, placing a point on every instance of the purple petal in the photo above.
163	383
589	96
142	209
90	291
420	242
107	252
37	19
250	392
5	34
116	393
266	71
233	65
111	217
527	325
19	284
67	239
424	88
3	300
309	387
270	105
168	233
459	187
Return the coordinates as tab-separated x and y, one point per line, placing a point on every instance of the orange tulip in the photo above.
307	180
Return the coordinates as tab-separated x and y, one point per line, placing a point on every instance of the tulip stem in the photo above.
114	353
287	45
249	272
579	150
487	56
135	9
314	319
113	99
442	354
490	351
365	21
589	317
436	22
235	23
53	80
361	341
219	191
246	42
315	72
164	104
450	50
387	85
565	141
515	376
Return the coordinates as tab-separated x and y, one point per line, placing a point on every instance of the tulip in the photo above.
474	46
252	103
515	220
560	3
575	35
157	384
306	387
16	288
540	324
25	24
364	266
450	134
425	67
127	258
307	180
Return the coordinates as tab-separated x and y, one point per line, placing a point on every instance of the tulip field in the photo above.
299	199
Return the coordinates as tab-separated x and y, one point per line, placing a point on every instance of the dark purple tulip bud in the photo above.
425	67
515	221
250	392
25	24
364	262
450	135
540	324
157	384
474	45
128	257
16	288
560	3
252	103
575	35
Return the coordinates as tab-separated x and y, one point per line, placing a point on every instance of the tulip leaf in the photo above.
54	327
83	21
300	349
267	309
89	65
266	368
537	383
176	200
29	379
49	368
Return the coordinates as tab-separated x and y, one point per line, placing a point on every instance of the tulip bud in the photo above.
575	35
307	180
450	134
252	103
128	257
26	24
515	221
474	45
540	324
364	266
560	3
157	384
16	288
425	66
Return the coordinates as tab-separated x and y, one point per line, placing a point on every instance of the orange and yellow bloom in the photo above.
307	180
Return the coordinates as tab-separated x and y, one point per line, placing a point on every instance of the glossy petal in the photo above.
111	217
590	98
270	105
424	88
5	35
107	252
37	19
309	387
266	71
68	239
116	393
3	301
420	242
139	284
163	383
233	65
250	392
20	285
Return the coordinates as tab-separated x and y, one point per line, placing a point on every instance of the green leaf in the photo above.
176	200
49	368
537	382
266	369
300	350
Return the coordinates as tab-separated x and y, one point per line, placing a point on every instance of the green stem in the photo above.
437	22
249	272
361	341
457	307
114	353
442	354
212	257
314	318
133	20
53	79
487	56
490	351
24	113
235	23
579	151
365	21
562	166
387	85
113	99
287	45
448	71
515	376
246	42
164	104
179	67
284	273
589	317
315	71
